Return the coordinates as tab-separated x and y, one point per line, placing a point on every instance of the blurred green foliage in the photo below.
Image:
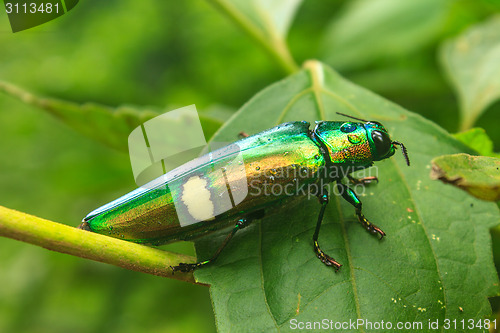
170	54
472	64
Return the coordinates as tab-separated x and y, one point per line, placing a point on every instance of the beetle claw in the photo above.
242	135
372	228
325	258
362	181
378	231
184	268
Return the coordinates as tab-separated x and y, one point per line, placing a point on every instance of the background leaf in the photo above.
272	18
107	125
432	261
478	175
267	21
472	62
477	139
370	30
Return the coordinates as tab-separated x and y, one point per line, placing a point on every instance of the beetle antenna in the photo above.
403	148
348	116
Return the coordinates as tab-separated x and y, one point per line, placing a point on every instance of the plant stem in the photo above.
62	238
275	46
467	121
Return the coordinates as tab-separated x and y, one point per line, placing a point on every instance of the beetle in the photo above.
233	185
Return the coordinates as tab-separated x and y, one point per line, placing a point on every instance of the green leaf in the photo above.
107	125
477	139
267	21
472	62
220	113
370	30
435	258
478	175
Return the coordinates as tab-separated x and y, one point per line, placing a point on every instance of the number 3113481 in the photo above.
31	8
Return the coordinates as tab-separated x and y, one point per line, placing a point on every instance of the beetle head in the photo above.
381	143
371	137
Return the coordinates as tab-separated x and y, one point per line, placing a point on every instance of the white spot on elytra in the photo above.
196	197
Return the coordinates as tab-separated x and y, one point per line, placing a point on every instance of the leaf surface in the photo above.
478	175
110	126
435	259
472	62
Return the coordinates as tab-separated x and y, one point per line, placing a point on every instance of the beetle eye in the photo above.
382	142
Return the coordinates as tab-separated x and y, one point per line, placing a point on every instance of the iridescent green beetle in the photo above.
236	184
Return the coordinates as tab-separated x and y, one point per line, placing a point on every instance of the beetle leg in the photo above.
363	181
352	198
325	258
184	267
242	135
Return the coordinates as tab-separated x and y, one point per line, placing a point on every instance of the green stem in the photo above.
275	46
62	238
467	122
468	114
496	229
